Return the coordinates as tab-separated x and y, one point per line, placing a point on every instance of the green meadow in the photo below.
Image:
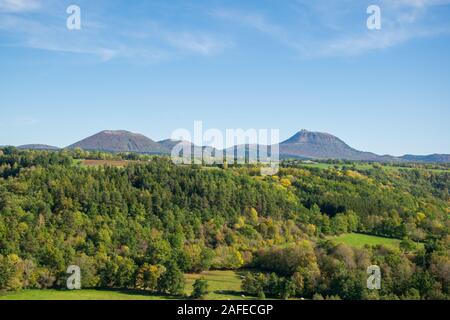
223	285
51	294
363	166
360	240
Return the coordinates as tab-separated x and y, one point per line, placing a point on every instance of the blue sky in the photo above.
155	66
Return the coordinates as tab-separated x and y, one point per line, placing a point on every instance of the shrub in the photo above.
200	289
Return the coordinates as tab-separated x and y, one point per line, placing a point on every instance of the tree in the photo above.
407	245
200	289
197	258
286	289
172	281
251	284
339	224
89	276
118	272
8	274
318	296
440	269
298	257
148	276
411	294
45	278
227	258
261	295
253	216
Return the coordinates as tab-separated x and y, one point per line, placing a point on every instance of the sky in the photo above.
154	66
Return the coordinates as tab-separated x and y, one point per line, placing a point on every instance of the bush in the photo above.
10	275
200	289
45	278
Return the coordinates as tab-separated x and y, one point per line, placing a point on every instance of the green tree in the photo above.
172	281
8	273
148	275
200	289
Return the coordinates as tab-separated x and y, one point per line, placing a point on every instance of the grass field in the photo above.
223	285
112	163
360	240
320	165
100	163
79	295
362	166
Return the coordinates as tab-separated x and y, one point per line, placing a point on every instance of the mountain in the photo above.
120	141
304	145
169	144
253	151
38	147
434	158
189	147
319	145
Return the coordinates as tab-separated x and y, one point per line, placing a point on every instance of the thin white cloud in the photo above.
251	19
25	121
416	3
370	41
330	30
33	34
203	44
258	22
104	54
19	5
151	43
196	42
402	21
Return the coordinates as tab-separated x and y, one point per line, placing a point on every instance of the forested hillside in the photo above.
143	224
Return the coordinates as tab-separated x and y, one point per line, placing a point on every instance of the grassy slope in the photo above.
223	285
359	240
363	166
78	295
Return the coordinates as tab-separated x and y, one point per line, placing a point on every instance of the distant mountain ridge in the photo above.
38	147
169	144
119	141
439	158
303	145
